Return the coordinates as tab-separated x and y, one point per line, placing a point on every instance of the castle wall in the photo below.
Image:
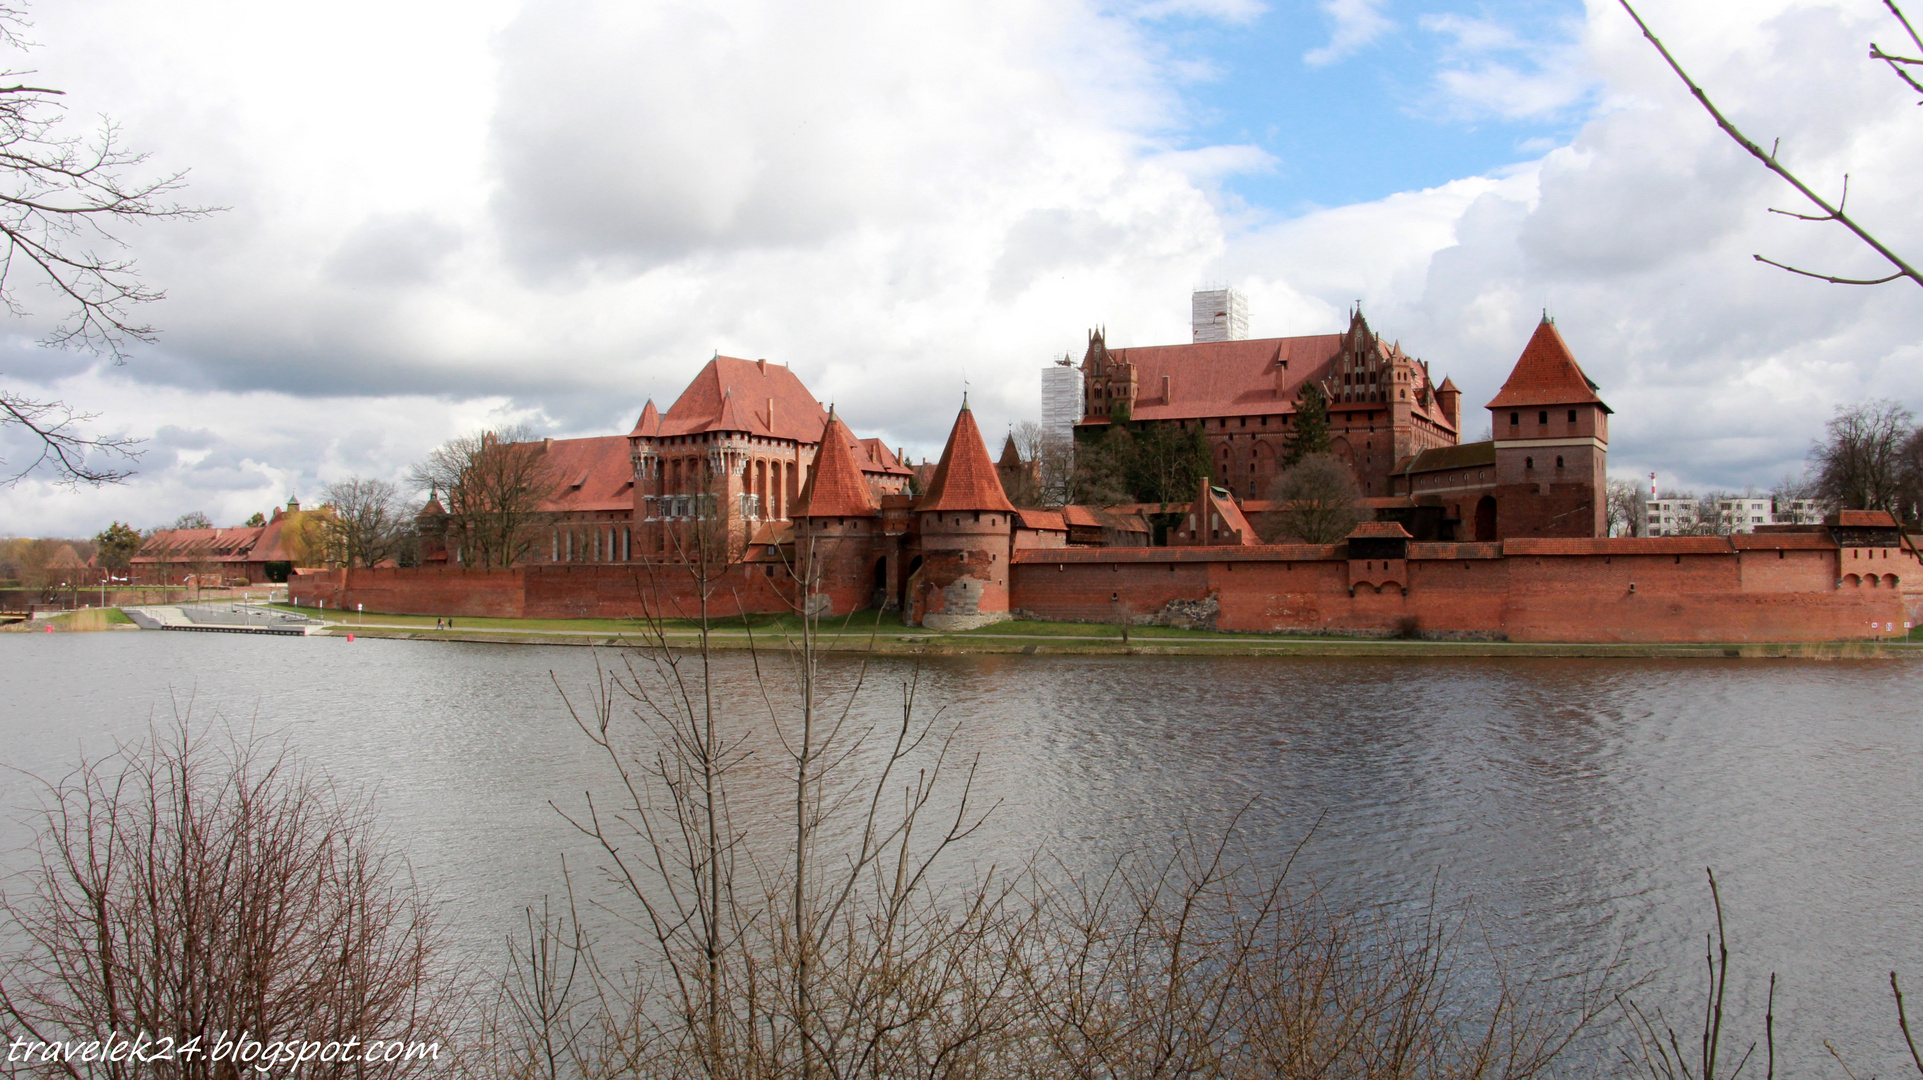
1583	590
1694	589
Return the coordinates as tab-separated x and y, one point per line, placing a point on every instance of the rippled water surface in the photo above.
1571	805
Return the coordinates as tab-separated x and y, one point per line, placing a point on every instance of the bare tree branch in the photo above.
62	443
1769	159
61	196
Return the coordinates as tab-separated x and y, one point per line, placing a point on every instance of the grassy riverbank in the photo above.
883	632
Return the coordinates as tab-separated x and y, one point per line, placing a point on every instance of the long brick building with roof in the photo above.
1383	404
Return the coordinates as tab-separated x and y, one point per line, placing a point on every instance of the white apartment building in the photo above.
1798	512
1693	517
1670	517
1743	515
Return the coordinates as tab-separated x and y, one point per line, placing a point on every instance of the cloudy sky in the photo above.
441	215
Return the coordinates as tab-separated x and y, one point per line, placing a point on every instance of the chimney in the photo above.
771	414
546	445
1166	399
761	365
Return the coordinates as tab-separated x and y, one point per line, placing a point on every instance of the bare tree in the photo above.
1859	464
1837	212
1626	508
492	484
1317	501
369	523
196	890
60	198
193	519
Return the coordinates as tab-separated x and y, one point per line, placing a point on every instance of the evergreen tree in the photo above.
116	545
1168	464
1310	435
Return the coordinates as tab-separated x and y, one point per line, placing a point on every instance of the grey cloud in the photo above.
389	250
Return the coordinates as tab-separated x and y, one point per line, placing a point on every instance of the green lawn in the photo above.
860	623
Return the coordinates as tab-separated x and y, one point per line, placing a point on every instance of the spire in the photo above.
1011	454
966	478
835	487
1547	374
650	423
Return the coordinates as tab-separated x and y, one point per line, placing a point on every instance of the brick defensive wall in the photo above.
1764	587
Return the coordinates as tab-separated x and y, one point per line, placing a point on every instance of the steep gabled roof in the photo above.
965	479
1547	374
1224	378
835	487
758	389
875	457
1448	386
588	474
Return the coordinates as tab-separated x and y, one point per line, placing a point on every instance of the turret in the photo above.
838	535
965	527
1450	398
430	530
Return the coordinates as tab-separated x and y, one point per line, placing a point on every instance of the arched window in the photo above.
1558	461
1528	463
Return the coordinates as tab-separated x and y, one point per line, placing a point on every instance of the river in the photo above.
1569	806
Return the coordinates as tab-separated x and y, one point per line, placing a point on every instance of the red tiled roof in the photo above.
201	545
1546	374
601	465
1619	545
1225	378
1107	555
650	423
758	387
835	487
965	479
1472	550
1865	519
875	457
1042	520
1792	541
1380	530
1448	386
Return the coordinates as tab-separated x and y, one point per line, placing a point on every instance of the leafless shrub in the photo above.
190	888
1659	1052
1317	501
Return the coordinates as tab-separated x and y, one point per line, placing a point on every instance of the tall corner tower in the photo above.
965	521
1219	315
1552	444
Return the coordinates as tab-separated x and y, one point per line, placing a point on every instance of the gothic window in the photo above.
1528	463
1558	461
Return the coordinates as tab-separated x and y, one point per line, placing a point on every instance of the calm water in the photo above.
1571	805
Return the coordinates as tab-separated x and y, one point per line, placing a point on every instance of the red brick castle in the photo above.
797	512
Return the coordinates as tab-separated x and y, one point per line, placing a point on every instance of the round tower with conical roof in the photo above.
965	528
838	536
